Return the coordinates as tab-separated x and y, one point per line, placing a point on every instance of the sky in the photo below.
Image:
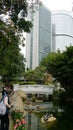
58	4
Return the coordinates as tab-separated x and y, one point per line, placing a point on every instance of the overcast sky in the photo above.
58	4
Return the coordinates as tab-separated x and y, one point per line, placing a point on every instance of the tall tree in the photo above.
13	22
16	12
12	61
60	65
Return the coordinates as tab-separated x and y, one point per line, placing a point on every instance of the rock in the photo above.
17	100
49	120
21	94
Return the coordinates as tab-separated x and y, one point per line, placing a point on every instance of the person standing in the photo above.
5	118
7	88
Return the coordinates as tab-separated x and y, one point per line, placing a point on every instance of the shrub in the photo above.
18	120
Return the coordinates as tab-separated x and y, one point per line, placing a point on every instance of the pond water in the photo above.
63	114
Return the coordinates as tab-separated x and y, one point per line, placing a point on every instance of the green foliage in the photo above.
57	96
24	25
16	115
11	60
14	7
37	75
60	65
27	82
18	120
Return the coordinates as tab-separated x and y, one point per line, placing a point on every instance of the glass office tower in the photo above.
38	41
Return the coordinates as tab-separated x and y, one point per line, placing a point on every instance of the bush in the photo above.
18	120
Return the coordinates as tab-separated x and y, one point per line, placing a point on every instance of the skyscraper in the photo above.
62	31
38	41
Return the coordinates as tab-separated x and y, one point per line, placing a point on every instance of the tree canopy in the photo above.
17	11
38	75
13	22
60	65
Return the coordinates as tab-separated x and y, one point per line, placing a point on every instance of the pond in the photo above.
63	114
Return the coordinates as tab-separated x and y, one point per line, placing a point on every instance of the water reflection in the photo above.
64	115
33	122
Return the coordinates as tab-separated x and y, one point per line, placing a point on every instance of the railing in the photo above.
42	89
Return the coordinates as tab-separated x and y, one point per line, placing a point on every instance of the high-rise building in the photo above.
47	35
62	29
38	41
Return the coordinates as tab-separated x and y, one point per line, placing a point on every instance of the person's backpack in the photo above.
2	106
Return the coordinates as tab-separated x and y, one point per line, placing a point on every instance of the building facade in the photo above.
62	31
50	32
38	41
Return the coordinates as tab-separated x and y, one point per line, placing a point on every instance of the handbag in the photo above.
2	107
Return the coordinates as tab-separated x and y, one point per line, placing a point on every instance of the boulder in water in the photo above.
50	118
